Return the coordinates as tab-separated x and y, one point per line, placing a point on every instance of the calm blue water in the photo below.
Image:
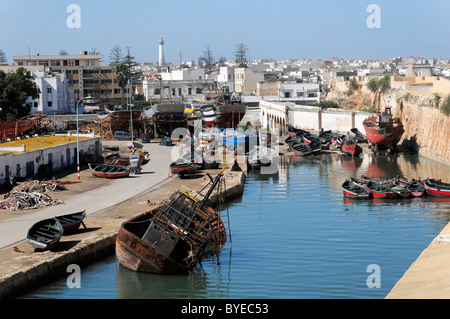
293	235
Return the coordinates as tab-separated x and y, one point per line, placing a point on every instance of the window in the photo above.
69	72
35	104
189	91
299	94
199	91
287	94
49	89
116	91
65	63
54	63
77	62
49	103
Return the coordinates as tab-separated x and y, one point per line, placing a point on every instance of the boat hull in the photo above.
386	136
353	150
45	234
72	222
109	171
230	115
437	188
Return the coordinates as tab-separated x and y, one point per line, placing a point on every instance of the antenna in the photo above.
181	56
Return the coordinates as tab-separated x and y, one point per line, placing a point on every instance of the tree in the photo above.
378	87
3	57
115	55
62	52
207	59
240	55
121	77
15	88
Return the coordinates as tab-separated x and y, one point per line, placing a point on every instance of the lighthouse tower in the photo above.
161	51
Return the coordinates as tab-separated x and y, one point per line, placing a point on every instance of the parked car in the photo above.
121	135
145	138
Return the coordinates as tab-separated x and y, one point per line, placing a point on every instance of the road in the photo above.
154	174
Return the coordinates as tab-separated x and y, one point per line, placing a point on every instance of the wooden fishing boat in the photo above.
45	234
416	188
294	131
181	168
436	187
71	222
326	137
172	238
301	149
401	190
109	171
116	159
337	139
350	147
356	135
354	190
379	190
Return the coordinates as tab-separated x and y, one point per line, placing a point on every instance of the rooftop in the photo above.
34	143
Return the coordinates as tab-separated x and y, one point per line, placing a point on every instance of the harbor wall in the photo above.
427	129
314	118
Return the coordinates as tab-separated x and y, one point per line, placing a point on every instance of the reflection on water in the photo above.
295	236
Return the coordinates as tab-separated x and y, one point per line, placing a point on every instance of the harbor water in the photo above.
293	235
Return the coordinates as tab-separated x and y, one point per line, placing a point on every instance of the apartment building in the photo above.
83	72
246	80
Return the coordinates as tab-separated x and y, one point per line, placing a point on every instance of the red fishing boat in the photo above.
109	171
383	131
436	187
354	190
350	147
379	190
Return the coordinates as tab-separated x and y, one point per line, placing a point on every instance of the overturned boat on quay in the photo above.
172	238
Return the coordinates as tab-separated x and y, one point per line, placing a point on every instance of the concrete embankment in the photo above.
22	269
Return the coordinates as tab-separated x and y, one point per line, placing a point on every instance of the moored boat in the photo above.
109	171
350	147
301	149
45	234
379	190
356	135
436	187
354	190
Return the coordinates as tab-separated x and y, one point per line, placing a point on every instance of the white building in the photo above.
300	93
56	95
184	75
226	76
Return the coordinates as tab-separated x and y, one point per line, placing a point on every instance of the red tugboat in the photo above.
383	131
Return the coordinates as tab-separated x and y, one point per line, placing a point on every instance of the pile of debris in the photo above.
30	195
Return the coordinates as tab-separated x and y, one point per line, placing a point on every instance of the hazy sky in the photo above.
282	29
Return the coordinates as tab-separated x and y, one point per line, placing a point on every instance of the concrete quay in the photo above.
22	269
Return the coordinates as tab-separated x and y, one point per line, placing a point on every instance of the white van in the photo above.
121	135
